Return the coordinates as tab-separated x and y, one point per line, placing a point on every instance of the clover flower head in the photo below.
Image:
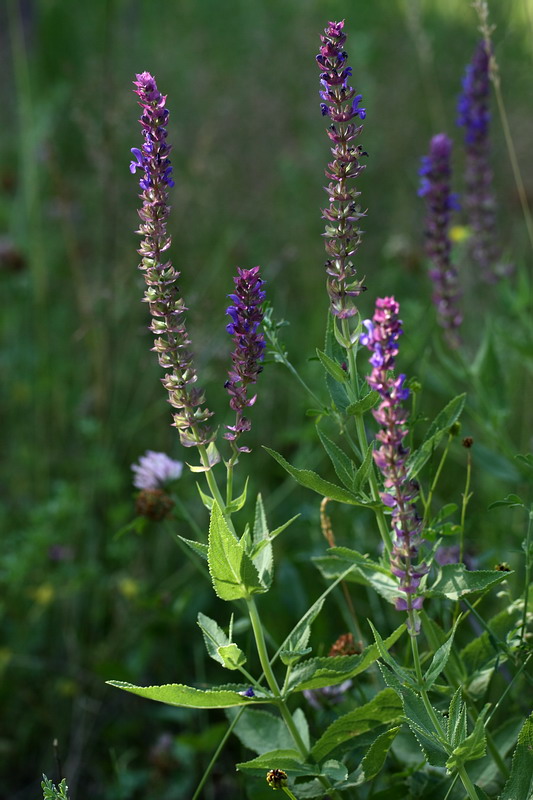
154	470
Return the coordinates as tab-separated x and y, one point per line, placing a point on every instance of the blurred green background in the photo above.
80	396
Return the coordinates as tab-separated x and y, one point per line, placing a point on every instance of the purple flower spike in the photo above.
162	295
480	203
246	316
341	104
435	175
400	493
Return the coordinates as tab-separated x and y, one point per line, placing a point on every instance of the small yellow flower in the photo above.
458	233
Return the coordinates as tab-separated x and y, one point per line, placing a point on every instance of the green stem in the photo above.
288	793
527	575
229	483
216	754
466	498
467	783
274	687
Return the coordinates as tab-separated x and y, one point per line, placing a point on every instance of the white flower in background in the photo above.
154	470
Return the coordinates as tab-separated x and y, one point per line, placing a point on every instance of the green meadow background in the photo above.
80	393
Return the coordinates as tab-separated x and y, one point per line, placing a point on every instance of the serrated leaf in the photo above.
232	656
334	770
214	636
456	723
440	425
232	571
364	404
330	365
439	661
418	720
311	480
177	694
385	707
296	645
403	674
289	760
455	581
199	547
374	759
262	554
344	466
471	748
362	473
315	673
481	652
519	785
337	391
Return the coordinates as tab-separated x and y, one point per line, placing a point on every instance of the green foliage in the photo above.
385	707
53	792
176	694
440	425
455	581
295	647
232	571
374	759
520	782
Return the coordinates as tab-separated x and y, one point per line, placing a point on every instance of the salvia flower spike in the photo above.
340	104
480	203
400	494
246	317
162	295
435	181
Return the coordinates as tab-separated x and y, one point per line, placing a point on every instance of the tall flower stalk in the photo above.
435	189
246	317
343	235
400	494
162	295
480	202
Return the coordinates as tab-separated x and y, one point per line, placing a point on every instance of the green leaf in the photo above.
519	785
232	571
472	747
289	760
364	404
311	480
481	652
261	731
372	574
403	674
512	500
362	473
374	759
232	656
335	370
296	645
176	694
454	581
337	391
199	547
440	659
335	771
344	466
385	707
239	501
418	720
206	499
440	425
315	673
214	636
456	729
262	554
302	727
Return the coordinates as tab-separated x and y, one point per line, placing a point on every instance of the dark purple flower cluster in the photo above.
400	494
343	236
480	203
246	317
435	175
162	295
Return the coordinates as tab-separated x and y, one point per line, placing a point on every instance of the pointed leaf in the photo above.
296	645
232	571
385	707
456	581
206	499
520	782
344	466
214	636
363	405
363	472
456	724
472	747
315	673
374	759
330	365
311	480
337	391
176	694
263	557
199	547
238	502
440	659
289	760
440	425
